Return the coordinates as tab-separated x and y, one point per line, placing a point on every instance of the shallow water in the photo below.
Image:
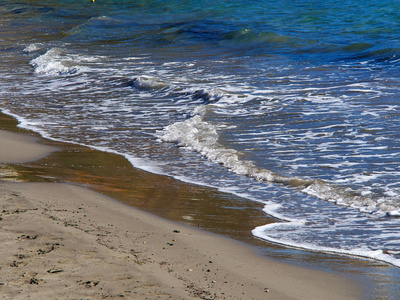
293	105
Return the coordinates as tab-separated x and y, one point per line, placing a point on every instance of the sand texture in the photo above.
61	241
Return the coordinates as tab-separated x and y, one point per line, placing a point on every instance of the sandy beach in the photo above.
61	241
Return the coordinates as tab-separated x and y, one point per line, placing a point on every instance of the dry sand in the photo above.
60	241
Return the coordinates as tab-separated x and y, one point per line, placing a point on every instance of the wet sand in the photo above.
14	148
66	241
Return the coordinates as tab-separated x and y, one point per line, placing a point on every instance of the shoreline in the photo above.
52	246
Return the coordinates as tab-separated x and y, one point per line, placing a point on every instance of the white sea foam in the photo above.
149	83
57	62
272	209
394	213
140	163
202	137
33	47
293	225
51	63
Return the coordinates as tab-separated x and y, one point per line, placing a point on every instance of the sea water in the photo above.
294	104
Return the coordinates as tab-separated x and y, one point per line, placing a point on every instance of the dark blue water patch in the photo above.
312	30
26	9
387	55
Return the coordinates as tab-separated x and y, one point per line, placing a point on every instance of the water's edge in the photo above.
201	207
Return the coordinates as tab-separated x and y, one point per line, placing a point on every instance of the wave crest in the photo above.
202	137
57	62
149	83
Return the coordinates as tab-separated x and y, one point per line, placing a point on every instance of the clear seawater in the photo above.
294	104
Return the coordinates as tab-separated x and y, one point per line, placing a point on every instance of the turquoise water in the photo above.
294	104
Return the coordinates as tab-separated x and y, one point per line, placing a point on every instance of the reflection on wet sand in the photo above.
197	206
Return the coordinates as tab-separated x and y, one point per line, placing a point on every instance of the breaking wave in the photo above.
202	137
57	62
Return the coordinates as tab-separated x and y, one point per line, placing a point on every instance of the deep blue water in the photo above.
294	104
